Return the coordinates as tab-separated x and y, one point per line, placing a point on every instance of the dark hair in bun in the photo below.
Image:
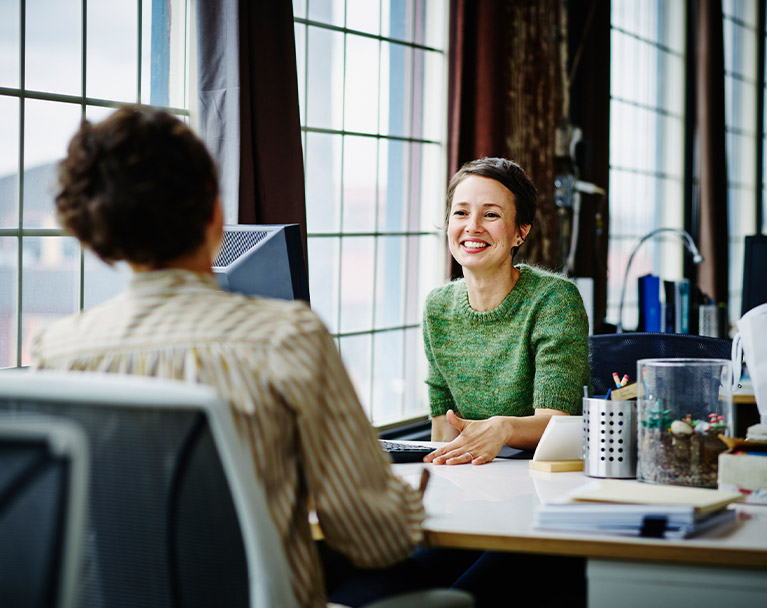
139	186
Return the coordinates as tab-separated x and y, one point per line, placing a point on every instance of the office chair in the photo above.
619	353
43	493
177	516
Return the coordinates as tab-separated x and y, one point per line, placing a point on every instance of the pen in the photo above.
616	379
624	380
424	481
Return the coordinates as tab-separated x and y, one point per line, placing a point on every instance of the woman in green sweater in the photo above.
507	345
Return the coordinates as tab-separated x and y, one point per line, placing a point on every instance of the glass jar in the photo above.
684	405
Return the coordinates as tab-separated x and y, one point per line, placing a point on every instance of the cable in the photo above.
697	258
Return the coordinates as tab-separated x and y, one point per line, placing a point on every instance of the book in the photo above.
682	325
676	308
635	509
701	500
654	521
649	303
669	307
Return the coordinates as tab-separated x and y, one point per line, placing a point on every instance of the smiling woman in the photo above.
507	345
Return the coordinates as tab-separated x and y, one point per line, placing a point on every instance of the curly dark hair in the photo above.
507	173
139	186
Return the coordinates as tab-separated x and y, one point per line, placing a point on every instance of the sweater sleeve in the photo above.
560	342
440	397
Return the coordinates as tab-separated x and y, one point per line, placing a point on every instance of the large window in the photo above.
62	61
646	144
740	61
372	93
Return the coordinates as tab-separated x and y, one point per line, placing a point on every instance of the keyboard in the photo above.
404	452
411	452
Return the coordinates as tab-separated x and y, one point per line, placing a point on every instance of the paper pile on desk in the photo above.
630	508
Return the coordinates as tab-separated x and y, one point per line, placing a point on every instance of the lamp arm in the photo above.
697	258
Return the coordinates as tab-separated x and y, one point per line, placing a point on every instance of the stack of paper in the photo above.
635	509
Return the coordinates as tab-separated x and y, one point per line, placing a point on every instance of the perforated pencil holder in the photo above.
609	438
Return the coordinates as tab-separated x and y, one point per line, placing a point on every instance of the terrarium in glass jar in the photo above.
684	407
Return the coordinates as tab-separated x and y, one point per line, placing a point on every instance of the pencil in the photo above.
616	379
624	380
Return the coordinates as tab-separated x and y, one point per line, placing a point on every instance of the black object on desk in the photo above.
400	452
619	353
404	452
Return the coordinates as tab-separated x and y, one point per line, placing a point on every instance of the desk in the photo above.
492	507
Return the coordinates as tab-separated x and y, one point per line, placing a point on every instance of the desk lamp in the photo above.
697	258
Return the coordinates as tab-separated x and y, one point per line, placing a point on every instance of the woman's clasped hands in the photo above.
478	441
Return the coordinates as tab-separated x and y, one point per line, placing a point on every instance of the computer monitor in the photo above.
754	272
263	260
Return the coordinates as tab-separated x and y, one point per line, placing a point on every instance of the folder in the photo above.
683	311
677	306
649	303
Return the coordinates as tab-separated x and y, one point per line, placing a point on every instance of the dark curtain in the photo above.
713	273
248	109
477	85
478	80
505	98
589	79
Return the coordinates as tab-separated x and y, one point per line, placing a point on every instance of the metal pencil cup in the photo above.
609	438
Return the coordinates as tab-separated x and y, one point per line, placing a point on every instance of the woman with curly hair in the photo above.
141	187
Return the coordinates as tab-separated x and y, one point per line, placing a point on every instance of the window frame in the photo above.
83	101
340	236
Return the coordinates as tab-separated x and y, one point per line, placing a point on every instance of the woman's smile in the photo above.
474	246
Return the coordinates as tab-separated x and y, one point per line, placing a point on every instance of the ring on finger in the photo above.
470	455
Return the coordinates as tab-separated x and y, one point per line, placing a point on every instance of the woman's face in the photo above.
482	226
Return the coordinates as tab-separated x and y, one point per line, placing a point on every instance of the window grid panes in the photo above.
65	60
740	61
372	92
646	145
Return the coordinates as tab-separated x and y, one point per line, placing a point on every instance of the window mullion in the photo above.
139	6
20	186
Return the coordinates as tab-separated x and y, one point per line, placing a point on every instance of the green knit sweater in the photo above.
529	352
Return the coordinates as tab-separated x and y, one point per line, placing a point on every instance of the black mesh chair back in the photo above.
43	491
163	529
619	353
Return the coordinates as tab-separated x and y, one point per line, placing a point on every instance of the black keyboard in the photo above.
404	452
410	452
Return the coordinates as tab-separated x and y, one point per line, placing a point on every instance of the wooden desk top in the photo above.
492	507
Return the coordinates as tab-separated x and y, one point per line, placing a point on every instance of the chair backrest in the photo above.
619	353
176	515
43	491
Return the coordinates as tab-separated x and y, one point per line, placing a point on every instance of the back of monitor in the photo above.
754	272
263	260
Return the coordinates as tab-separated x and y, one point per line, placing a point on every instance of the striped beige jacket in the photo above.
293	401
